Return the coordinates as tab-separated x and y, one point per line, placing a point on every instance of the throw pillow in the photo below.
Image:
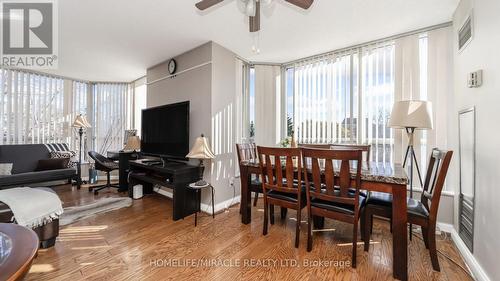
52	164
71	155
5	169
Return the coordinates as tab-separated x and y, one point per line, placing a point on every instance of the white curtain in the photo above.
111	115
31	108
267	105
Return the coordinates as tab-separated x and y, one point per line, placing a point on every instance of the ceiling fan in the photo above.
252	8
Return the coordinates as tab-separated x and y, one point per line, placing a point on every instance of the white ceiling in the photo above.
117	40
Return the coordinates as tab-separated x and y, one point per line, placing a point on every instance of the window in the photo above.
344	98
110	104
139	104
31	108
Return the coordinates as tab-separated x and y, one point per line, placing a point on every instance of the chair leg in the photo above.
309	233
362	222
271	213
297	228
425	236
354	243
255	199
431	236
266	216
390	227
367	225
283	212
371	224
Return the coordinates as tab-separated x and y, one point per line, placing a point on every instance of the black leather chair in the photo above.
106	165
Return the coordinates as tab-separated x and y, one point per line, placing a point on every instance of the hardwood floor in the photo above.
138	242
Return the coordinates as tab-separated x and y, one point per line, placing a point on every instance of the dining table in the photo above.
375	176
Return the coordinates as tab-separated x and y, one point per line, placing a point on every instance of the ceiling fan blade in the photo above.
304	4
255	21
205	4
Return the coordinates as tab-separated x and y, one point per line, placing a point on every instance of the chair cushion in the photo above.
288	196
379	199
337	207
414	207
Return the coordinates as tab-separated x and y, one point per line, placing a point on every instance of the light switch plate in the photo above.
475	79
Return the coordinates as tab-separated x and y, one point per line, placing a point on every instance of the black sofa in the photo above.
25	160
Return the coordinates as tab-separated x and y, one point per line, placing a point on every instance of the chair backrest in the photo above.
366	148
434	180
246	151
313	145
100	160
326	185
280	167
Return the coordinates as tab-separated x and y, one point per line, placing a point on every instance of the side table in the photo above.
198	189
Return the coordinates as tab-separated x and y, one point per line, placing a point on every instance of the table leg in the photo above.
318	222
246	211
399	233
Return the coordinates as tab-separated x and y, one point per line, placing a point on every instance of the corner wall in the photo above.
481	53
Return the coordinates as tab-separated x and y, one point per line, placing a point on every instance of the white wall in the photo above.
481	53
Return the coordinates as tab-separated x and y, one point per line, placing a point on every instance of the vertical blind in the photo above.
31	108
37	108
329	106
110	115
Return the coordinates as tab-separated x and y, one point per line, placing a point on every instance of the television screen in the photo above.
165	130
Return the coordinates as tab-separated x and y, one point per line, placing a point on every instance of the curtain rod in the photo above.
373	42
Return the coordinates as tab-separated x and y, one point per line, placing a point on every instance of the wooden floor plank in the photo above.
125	244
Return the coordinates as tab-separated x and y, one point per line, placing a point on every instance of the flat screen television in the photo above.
165	131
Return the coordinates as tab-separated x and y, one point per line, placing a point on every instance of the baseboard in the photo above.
476	269
445	227
206	208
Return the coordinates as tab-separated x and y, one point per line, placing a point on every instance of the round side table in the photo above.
198	189
18	248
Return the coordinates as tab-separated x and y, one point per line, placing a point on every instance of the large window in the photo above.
111	110
347	98
31	108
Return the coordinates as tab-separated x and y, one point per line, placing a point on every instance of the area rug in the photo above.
103	205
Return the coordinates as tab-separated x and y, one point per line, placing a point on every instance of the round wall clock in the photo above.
172	66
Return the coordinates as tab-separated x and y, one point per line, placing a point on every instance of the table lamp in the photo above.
133	144
201	151
81	123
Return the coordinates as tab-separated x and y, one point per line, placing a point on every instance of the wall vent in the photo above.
465	33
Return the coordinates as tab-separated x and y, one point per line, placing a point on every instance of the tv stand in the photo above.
173	175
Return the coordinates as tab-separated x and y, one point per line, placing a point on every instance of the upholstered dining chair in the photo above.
282	183
333	193
421	212
248	152
106	165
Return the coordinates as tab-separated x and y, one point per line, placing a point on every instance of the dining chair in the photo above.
282	183
421	212
333	193
366	148
248	152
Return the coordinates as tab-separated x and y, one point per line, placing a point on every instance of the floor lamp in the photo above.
80	123
411	116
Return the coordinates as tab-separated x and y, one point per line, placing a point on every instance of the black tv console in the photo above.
173	175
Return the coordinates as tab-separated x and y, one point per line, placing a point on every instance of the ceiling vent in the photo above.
465	33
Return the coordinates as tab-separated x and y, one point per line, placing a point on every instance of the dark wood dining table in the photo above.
383	177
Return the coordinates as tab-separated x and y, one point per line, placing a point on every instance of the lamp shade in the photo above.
201	149
133	143
411	114
81	122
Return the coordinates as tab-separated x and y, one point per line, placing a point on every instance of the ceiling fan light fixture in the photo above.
250	8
